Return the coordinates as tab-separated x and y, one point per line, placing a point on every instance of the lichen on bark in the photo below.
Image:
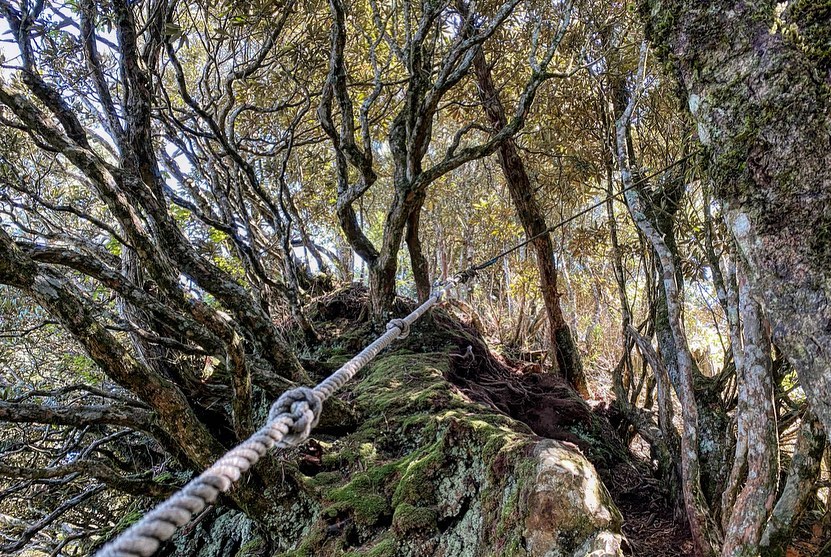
761	104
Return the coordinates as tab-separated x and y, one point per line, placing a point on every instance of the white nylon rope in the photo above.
290	421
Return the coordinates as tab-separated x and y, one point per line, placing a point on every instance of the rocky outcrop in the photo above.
568	504
427	471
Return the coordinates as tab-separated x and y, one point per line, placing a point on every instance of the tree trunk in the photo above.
702	528
383	268
762	105
668	442
803	473
421	270
567	357
757	448
704	532
381	287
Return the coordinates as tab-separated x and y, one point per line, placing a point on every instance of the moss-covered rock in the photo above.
408	518
429	472
219	532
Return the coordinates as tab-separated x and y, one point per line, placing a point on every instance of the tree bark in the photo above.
705	533
418	262
667	441
702	528
763	108
757	448
430	76
62	300
798	490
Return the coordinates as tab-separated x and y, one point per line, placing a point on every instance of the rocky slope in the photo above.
412	466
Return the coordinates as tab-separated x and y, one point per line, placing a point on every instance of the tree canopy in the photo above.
180	183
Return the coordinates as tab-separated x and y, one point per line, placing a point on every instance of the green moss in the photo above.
418	450
337	360
325	478
383	390
346	455
660	23
410	407
250	548
416	485
385	548
408	518
813	34
380	475
731	161
309	547
504	500
358	499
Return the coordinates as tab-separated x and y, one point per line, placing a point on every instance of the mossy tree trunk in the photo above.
757	83
704	447
761	100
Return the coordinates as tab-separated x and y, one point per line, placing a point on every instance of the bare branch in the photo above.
32	530
79	416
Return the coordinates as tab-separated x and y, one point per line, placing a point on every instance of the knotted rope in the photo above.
290	421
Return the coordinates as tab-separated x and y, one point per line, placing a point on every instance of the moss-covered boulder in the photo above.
427	471
419	468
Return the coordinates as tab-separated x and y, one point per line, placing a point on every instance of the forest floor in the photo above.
649	524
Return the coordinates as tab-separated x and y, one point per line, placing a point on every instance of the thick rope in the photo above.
290	421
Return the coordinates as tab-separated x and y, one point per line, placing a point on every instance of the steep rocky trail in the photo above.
440	469
552	409
441	447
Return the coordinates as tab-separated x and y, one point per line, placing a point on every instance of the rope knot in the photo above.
302	407
402	326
